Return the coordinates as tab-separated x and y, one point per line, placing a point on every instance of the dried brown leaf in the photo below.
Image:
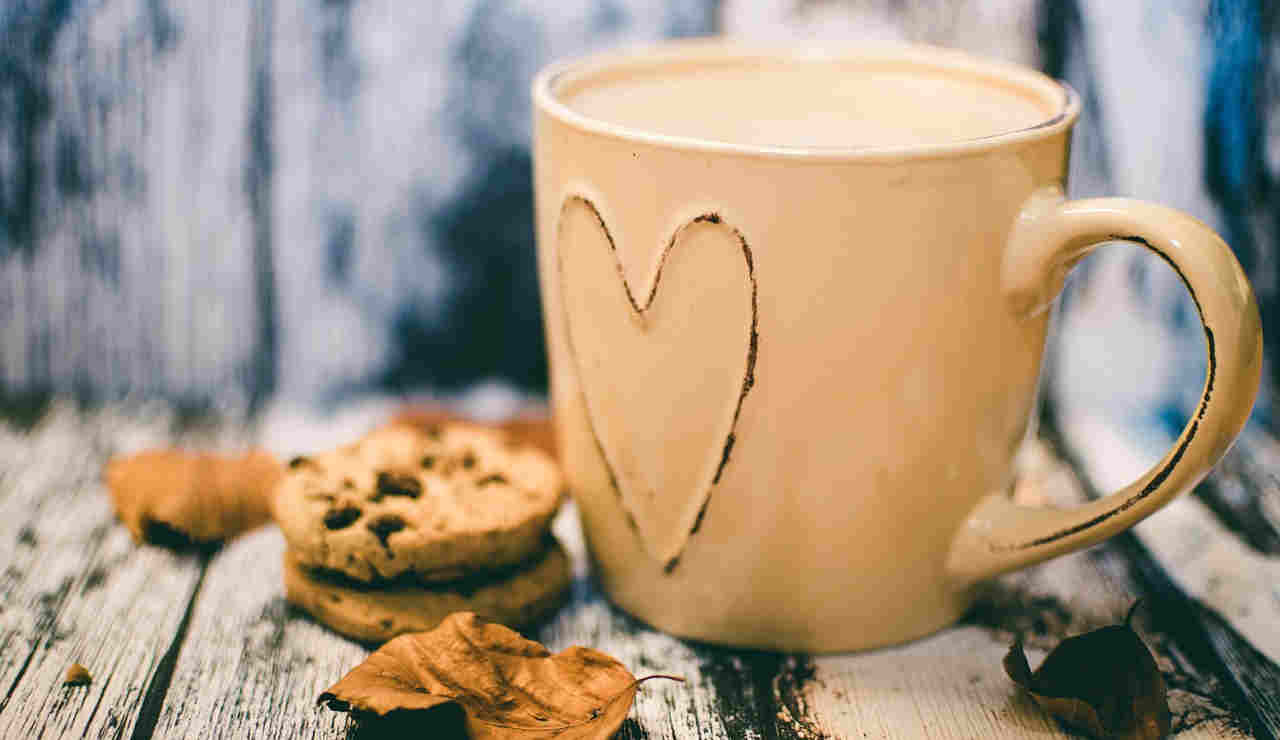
178	498
508	687
77	675
532	426
1104	682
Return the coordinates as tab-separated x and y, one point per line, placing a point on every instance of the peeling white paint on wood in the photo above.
950	685
1004	29
250	666
247	665
75	588
1203	557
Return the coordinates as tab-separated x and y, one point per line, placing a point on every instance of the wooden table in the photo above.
205	646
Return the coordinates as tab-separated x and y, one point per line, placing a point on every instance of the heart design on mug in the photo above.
663	378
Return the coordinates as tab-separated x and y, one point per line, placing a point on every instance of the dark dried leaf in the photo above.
508	688
1104	682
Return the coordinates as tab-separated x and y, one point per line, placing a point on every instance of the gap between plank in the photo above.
106	683
1246	520
1178	611
158	688
44	635
21	672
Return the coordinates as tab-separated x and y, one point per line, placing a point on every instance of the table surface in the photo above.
189	645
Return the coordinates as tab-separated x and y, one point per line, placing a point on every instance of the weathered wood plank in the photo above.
1249	489
952	684
924	688
196	197
75	588
1205	558
1233	586
135	268
716	699
1244	494
250	666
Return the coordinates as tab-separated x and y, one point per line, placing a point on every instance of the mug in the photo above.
795	305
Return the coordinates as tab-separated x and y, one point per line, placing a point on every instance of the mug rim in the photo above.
989	71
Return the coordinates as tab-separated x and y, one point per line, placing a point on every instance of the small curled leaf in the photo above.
1104	682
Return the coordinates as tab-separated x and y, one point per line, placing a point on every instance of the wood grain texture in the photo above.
1248	490
1228	588
251	666
196	198
135	267
181	646
944	686
75	588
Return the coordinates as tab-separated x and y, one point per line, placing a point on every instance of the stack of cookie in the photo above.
395	532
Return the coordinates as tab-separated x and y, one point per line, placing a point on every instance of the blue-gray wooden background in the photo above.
240	200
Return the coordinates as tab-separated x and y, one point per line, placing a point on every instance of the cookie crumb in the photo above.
77	675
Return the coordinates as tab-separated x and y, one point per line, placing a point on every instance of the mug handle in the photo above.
1049	237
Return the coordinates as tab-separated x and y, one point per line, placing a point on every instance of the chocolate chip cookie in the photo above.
518	596
439	502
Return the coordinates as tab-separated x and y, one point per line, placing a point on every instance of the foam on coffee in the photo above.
804	102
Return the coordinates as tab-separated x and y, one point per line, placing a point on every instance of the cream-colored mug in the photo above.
795	306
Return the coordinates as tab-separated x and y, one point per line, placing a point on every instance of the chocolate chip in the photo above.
348	483
341	518
491	479
428	462
468	461
433	431
395	484
384	526
299	461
